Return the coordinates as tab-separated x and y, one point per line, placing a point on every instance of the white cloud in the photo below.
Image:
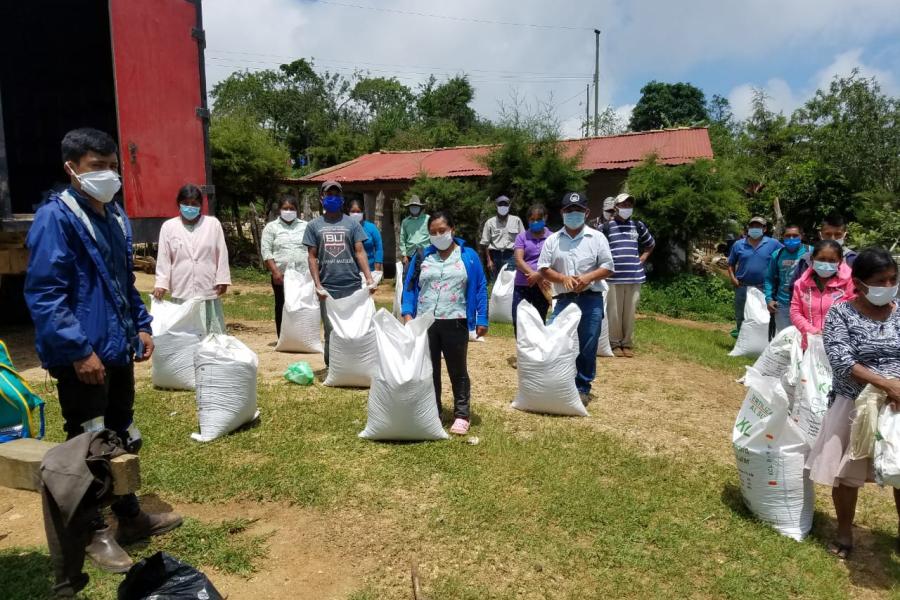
843	65
779	98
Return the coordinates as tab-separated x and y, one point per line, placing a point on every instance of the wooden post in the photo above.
307	213
379	211
779	219
369	206
256	234
398	217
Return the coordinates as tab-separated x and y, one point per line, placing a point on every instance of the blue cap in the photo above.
574	199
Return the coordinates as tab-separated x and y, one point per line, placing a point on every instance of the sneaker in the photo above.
460	427
627	352
617	352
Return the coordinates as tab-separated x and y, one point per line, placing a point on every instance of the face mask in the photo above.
626	213
824	269
415	210
189	212
443	241
537	226
288	215
502	210
609	214
356	217
332	204
99	185
840	241
574	219
755	232
792	243
881	296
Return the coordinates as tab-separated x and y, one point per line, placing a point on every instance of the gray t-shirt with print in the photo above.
335	243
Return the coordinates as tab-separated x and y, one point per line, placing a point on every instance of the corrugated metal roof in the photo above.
672	147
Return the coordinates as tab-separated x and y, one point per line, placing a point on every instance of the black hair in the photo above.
355	202
871	262
79	142
794	226
537	208
292	200
823	244
834	220
441	214
189	192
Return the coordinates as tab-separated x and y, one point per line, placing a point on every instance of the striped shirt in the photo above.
626	239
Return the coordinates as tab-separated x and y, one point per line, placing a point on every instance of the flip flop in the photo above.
841	551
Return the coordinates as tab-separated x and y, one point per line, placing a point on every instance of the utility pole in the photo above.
596	81
587	110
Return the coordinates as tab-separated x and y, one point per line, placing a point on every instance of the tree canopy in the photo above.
668	105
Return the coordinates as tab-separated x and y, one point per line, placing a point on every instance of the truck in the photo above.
132	68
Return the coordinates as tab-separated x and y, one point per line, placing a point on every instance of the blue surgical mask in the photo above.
537	226
755	232
573	219
189	212
824	269
333	204
792	243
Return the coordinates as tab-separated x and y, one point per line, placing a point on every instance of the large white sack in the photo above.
812	388
226	386
352	353
864	428
300	318
402	404
546	362
177	331
377	276
887	448
500	308
398	290
776	358
754	335
603	347
770	451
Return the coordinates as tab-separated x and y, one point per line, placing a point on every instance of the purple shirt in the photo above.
532	247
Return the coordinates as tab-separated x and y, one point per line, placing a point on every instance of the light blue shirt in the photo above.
586	252
442	290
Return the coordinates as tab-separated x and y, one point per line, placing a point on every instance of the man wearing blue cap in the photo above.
498	238
576	259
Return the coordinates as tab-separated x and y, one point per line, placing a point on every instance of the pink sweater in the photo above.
809	305
192	263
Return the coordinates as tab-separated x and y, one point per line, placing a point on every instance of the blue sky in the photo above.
543	52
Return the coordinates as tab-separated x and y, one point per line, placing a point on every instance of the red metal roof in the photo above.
672	147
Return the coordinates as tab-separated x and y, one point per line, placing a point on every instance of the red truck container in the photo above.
133	68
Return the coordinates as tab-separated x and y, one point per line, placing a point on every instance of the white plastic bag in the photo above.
887	448
301	317
377	276
177	331
603	347
500	308
770	451
402	404
352	353
398	290
754	335
864	428
812	388
226	386
776	358
546	362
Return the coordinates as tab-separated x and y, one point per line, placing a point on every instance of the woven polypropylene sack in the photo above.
352	353
300	318
177	331
603	347
500	309
754	335
398	290
812	388
226	386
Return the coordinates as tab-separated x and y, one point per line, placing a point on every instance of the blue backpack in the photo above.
21	410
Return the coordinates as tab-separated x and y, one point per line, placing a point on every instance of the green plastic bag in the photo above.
300	372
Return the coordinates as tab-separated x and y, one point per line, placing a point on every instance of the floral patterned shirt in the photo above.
442	285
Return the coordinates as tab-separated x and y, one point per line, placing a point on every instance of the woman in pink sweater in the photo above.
827	283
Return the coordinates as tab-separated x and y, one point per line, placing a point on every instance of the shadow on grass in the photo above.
25	575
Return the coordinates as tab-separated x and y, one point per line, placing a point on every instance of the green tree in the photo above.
668	105
448	101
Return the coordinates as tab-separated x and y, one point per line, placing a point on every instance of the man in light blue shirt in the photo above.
576	259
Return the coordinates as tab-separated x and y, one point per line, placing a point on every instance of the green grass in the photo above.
249	274
702	298
706	347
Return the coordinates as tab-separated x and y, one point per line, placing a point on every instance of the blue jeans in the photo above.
783	316
500	258
591	305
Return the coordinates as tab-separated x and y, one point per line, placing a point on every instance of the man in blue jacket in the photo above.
90	321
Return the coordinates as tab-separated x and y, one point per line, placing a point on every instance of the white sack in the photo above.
776	358
754	335
864	428
177	331
226	386
546	362
377	276
770	451
301	317
398	290
812	387
603	347
402	404
887	448
500	308
352	353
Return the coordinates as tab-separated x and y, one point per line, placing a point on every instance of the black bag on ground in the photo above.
163	577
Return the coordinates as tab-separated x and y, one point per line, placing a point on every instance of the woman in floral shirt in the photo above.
448	282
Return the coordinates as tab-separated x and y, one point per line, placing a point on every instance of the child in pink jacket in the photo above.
827	283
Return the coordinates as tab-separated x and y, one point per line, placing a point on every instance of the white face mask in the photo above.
99	185
443	241
288	216
356	217
415	210
840	241
502	210
881	296
626	213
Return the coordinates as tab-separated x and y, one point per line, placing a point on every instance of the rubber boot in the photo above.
105	552
144	525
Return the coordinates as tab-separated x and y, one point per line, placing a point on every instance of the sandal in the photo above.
841	551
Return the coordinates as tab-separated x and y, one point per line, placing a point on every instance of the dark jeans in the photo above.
532	294
500	258
450	337
278	290
591	305
113	401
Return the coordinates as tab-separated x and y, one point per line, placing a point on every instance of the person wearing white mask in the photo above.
373	246
448	282
835	229
498	237
282	248
413	230
90	322
862	341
